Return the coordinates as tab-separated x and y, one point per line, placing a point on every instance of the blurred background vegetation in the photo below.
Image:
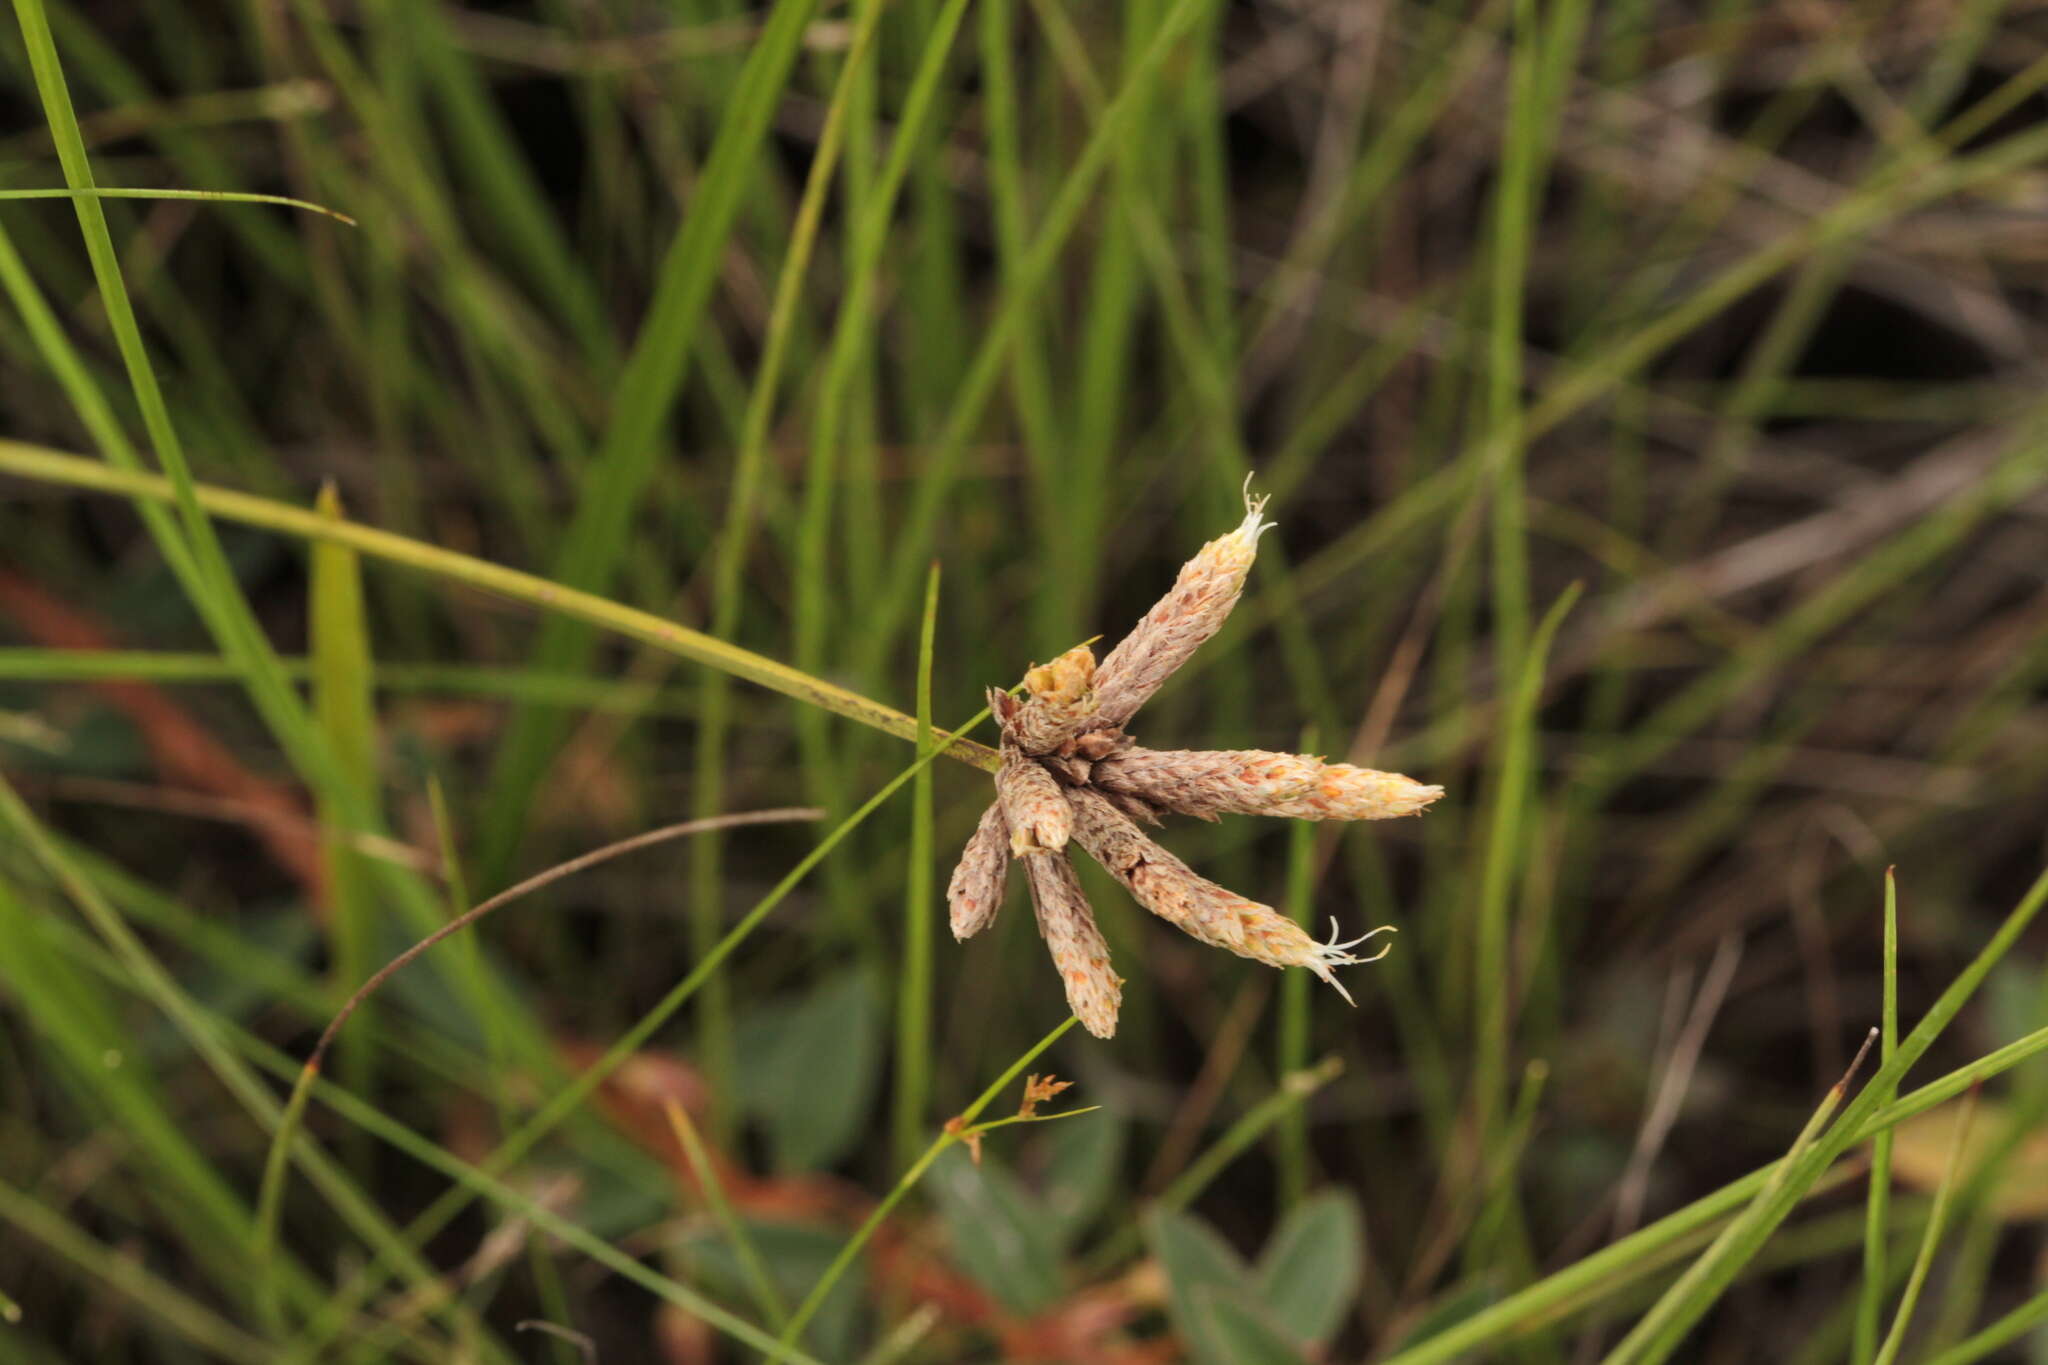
1729	314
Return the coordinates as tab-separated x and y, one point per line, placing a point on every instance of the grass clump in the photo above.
444	443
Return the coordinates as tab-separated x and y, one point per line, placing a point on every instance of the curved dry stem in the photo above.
779	815
271	1197
218	196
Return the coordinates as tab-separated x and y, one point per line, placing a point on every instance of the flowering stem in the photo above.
957	1131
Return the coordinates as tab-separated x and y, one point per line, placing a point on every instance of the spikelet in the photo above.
1155	878
1138	808
1060	704
1192	610
1070	774
975	892
1040	818
1094	991
1265	935
1260	782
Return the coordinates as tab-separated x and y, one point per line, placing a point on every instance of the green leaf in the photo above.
1086	1156
1244	1336
1199	1265
1000	1234
808	1071
344	710
1309	1271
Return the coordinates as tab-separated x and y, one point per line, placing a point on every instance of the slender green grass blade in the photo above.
1870	1293
1895	1340
36	463
626	459
915	1041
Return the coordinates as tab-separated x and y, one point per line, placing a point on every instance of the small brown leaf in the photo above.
1037	1091
967	1135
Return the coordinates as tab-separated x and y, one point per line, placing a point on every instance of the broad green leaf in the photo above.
1000	1234
1243	1335
1309	1271
808	1071
1198	1264
1086	1154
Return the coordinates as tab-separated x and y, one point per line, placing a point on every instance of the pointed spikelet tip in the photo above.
1335	954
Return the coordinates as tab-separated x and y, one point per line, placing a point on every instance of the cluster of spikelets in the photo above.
1071	774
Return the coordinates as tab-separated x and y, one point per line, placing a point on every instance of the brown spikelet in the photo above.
1193	610
1040	818
1263	934
1155	878
975	892
1260	782
1070	773
1060	703
1094	991
1137	807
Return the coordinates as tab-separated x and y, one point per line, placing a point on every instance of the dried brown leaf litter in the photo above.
1070	774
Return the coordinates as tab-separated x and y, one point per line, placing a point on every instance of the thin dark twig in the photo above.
534	883
579	1340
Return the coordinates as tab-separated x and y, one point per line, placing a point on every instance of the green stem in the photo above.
49	466
956	1131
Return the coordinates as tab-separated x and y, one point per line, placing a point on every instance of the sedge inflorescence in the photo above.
1071	775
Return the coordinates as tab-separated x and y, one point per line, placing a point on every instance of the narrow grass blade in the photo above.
51	466
1870	1294
626	459
1660	1330
914	1040
729	560
119	1271
2021	1321
190	544
203	1035
92	1043
1895	1340
432	1155
760	1283
985	372
1860	1122
343	708
571	1098
1501	871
